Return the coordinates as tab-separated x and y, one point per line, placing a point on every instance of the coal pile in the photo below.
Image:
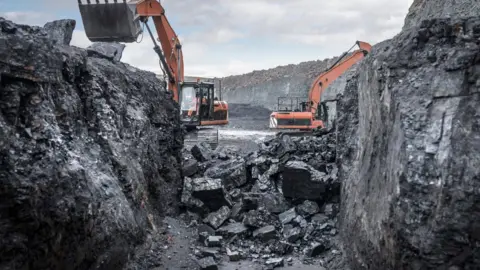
90	152
268	206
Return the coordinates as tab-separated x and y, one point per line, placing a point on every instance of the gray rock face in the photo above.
60	32
424	9
408	144
109	50
89	150
263	87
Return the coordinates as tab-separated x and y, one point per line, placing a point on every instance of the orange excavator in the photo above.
296	114
121	21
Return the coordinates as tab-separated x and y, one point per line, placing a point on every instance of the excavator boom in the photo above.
121	21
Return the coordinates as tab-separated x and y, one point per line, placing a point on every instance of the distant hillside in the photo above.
263	87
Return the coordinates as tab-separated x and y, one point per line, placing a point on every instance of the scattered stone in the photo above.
237	210
299	220
216	219
274	202
265	233
213	241
204	231
202	152
109	50
287	216
233	229
330	210
233	256
252	219
232	172
211	192
308	208
282	248
291	233
190	167
316	249
274	262
319	218
207	263
302	181
209	252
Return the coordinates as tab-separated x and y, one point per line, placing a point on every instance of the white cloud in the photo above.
222	37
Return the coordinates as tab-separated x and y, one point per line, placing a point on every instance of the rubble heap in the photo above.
266	206
90	152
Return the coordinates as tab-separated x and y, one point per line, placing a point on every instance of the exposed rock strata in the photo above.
408	144
90	153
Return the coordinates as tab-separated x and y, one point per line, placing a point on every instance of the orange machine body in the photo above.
307	118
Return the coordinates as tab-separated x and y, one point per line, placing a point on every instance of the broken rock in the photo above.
274	262
308	208
60	32
207	263
216	219
233	256
211	192
287	216
302	181
202	152
265	233
213	241
204	231
316	249
291	233
232	172
190	167
109	50
233	229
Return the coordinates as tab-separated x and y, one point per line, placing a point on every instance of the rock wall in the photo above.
408	144
90	152
263	87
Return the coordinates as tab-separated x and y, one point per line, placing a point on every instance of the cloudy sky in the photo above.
227	37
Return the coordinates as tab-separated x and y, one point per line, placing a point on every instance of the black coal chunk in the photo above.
61	31
302	181
233	229
216	219
109	50
265	233
211	192
233	172
202	152
287	216
308	208
207	263
291	233
190	167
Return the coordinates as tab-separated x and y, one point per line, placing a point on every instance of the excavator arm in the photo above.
171	51
332	73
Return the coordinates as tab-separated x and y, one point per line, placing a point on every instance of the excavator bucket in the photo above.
110	20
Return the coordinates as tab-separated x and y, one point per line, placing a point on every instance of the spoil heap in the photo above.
90	149
268	206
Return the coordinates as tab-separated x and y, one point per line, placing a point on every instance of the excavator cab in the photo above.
200	107
110	20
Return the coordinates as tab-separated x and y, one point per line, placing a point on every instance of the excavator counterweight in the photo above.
110	21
